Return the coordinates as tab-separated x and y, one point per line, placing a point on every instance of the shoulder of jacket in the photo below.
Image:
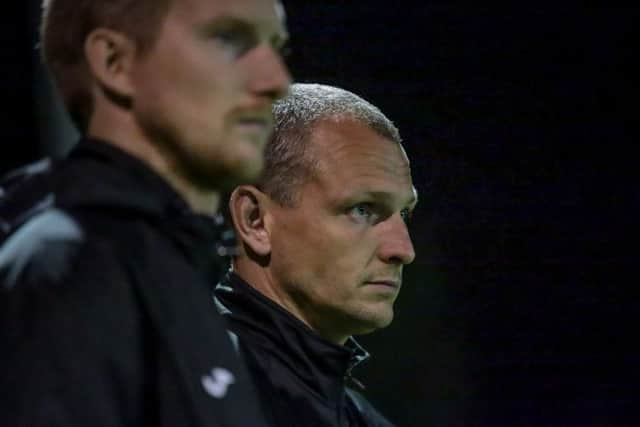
41	249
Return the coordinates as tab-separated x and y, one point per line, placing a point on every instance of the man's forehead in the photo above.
355	164
347	143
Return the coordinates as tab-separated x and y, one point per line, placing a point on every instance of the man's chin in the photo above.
374	321
245	172
247	164
225	176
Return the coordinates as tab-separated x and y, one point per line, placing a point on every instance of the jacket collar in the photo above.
322	365
123	184
119	180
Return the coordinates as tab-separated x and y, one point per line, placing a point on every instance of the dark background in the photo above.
519	121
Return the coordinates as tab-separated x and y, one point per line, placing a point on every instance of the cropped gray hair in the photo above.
288	162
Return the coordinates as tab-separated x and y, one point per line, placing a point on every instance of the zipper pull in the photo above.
354	381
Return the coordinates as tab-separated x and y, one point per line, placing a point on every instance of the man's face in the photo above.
337	255
203	93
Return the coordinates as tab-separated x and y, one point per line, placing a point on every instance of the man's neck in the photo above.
117	128
261	279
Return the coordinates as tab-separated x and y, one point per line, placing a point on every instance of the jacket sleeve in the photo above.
69	348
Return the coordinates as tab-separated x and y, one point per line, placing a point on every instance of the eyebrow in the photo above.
227	22
279	38
411	202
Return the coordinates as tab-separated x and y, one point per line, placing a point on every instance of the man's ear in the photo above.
110	56
248	208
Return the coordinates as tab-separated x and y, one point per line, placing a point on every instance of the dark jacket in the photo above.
106	316
301	378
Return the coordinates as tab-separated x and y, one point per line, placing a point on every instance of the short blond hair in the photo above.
64	28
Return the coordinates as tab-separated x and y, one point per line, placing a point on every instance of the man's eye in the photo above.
237	42
362	212
226	35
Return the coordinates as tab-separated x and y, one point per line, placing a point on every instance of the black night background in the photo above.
519	308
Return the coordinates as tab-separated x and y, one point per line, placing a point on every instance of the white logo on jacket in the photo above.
217	382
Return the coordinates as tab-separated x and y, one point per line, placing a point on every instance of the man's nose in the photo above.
396	246
271	78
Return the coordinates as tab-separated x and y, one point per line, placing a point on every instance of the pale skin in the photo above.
197	106
335	259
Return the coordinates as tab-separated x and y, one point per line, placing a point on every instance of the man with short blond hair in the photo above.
109	255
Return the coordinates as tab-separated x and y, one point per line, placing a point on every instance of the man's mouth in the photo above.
258	124
389	283
258	128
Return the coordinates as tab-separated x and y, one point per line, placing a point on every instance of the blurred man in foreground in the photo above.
324	241
109	254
